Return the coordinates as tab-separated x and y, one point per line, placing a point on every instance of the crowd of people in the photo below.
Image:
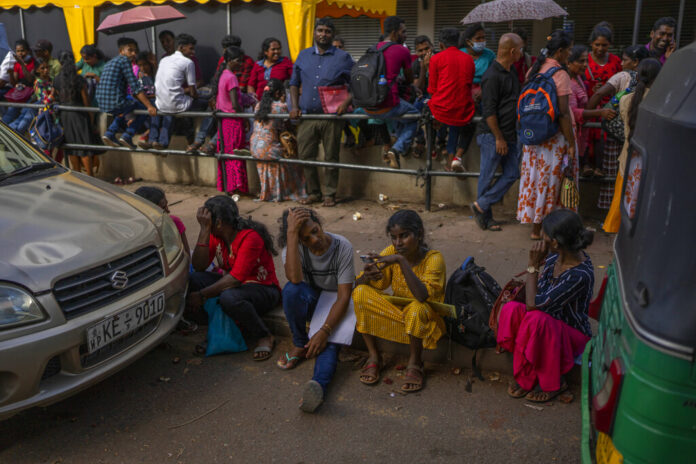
453	82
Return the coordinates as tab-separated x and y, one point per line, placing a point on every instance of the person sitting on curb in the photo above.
551	330
113	97
320	272
416	274
248	288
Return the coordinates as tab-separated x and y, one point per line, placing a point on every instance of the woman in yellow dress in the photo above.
417	276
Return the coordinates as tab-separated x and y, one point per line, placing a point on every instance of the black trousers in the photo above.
245	304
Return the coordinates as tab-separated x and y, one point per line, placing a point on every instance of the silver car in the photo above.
91	278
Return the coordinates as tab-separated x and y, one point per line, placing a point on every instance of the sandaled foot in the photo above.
587	171
413	379
193	148
478	216
493	225
369	374
515	391
291	359
540	396
598	173
329	201
310	200
264	349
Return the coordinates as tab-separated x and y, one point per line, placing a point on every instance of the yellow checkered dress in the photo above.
379	317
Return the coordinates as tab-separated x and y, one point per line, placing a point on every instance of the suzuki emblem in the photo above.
119	280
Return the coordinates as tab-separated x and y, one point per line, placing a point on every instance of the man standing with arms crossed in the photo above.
497	131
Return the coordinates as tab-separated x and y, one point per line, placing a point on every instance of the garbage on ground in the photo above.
357	216
441	205
494	377
235	197
164	379
456	371
393	207
533	406
195	361
382	197
388	381
176	360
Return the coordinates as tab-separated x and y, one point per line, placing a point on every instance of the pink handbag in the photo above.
332	97
16	95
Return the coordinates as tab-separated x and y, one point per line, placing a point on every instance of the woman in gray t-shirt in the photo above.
315	262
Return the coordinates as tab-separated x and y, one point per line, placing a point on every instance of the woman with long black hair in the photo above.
70	89
278	182
542	165
647	72
248	287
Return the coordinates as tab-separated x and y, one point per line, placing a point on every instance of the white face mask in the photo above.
478	46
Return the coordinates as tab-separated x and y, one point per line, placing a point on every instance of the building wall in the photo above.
39	23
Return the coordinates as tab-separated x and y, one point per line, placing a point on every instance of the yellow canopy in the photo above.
299	16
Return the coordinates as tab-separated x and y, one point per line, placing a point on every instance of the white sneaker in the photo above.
457	165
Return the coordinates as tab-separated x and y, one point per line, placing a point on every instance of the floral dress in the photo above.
278	181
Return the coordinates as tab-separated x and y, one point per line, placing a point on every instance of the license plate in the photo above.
123	323
606	451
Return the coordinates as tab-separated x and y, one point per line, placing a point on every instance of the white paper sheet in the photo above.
343	334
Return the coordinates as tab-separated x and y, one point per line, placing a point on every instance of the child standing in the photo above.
231	174
279	182
113	97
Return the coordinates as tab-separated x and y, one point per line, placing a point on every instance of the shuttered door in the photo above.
359	33
408	11
620	13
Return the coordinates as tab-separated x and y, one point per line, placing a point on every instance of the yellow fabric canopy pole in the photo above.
299	24
80	23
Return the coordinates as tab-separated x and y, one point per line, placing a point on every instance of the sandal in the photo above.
371	371
598	172
118	181
416	381
265	349
290	362
193	148
493	225
208	149
310	200
515	391
478	216
329	201
540	396
587	171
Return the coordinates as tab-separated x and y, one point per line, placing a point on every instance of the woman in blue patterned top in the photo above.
547	333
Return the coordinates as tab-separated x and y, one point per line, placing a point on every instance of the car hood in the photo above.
56	226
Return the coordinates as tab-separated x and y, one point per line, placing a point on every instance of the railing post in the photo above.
428	161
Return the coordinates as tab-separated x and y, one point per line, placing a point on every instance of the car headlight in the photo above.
171	240
17	307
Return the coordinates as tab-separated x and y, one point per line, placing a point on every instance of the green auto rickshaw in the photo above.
639	374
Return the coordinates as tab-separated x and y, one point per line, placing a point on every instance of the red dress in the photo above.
596	76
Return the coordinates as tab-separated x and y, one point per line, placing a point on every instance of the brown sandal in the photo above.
515	391
371	370
310	200
540	396
329	201
411	379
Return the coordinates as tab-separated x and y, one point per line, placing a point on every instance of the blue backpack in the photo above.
45	131
537	109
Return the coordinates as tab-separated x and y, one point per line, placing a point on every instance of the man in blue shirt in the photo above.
112	95
321	65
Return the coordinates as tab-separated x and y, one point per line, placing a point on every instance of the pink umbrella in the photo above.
139	18
499	11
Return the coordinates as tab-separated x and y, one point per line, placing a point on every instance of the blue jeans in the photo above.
299	302
489	194
119	122
23	121
160	130
405	130
11	114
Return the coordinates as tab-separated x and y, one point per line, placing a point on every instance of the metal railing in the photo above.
425	174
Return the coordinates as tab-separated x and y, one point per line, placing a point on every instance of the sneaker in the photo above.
457	165
110	141
392	159
312	396
127	142
144	144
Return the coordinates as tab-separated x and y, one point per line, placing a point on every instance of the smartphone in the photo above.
366	259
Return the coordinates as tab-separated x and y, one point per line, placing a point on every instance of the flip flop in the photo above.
263	349
289	363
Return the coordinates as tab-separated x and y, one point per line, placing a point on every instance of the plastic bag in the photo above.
223	334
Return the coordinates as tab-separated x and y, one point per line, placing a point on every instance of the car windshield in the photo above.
15	155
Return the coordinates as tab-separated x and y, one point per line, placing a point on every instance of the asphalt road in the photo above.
231	409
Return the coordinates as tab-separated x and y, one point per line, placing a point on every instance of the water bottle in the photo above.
382	80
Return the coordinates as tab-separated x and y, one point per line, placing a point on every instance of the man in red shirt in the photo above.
397	58
451	77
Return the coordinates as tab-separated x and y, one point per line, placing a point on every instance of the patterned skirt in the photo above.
610	166
541	178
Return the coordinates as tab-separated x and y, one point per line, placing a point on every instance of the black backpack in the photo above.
365	76
472	291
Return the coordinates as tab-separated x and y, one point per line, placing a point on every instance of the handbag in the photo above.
223	334
289	143
570	197
514	290
19	94
332	96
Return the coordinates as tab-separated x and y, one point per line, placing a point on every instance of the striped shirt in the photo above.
567	297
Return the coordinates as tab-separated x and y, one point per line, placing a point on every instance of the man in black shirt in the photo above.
497	132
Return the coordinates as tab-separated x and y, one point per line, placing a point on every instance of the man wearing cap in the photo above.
42	50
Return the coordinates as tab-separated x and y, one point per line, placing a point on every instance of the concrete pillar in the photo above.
426	20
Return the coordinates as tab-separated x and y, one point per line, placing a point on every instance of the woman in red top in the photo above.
247	287
271	65
601	65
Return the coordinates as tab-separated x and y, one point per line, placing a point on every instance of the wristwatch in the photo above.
532	270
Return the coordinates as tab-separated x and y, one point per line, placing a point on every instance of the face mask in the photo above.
478	47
